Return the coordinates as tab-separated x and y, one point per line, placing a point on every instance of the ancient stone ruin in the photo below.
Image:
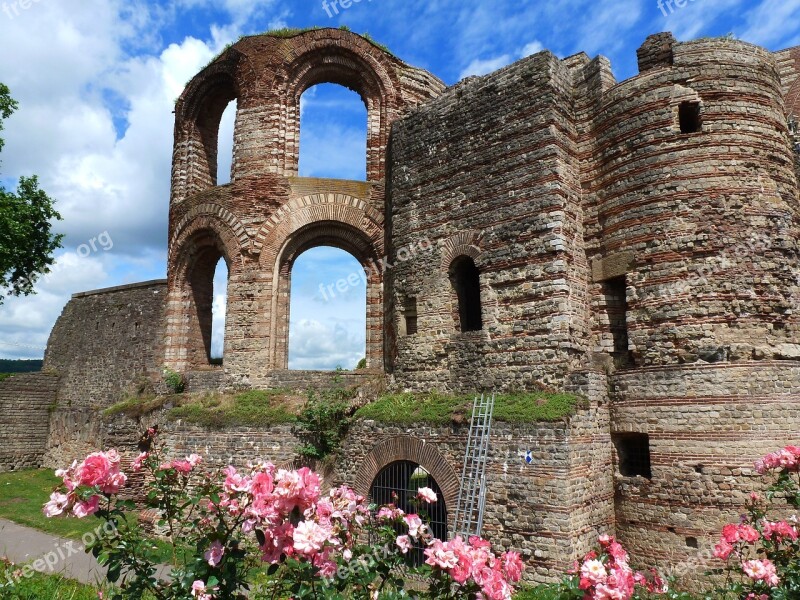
634	242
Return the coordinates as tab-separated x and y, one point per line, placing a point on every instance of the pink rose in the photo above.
426	495
94	469
114	482
723	550
57	505
512	565
214	553
84	509
309	537
404	543
439	555
761	570
139	462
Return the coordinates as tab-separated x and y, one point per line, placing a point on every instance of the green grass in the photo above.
439	409
22	495
39	587
138	406
6	375
542	592
252	408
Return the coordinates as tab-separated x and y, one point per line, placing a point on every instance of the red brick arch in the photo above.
415	450
208	214
347	59
334	220
300	212
193	259
465	243
198	115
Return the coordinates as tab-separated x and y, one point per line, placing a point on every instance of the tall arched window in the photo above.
225	144
465	278
333	133
398	484
218	311
201	276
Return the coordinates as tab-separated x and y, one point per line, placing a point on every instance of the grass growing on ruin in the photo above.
439	409
137	406
252	408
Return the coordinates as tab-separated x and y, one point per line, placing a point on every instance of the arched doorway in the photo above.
354	241
398	483
327	316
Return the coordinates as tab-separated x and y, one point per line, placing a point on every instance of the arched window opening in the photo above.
333	133
327	311
224	156
200	280
398	484
465	278
218	312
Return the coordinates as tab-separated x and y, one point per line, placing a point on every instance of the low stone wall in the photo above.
25	403
106	341
549	484
73	433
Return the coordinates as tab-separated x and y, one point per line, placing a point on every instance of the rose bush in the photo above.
605	574
762	552
226	526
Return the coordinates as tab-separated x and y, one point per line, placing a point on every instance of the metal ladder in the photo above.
472	493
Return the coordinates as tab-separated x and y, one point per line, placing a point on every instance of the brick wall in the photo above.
484	173
707	425
25	404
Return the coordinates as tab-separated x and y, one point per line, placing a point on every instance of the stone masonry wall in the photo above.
261	222
548	484
483	174
707	424
105	341
25	404
704	225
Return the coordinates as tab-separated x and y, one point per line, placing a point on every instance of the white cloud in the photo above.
219	309
486	66
773	23
317	345
531	48
26	321
490	65
95	123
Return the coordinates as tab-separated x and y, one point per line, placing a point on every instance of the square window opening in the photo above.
689	117
633	454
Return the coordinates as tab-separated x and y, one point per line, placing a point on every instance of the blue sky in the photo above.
96	81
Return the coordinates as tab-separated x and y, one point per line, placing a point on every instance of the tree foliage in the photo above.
27	242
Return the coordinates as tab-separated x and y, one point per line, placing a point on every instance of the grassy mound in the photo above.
440	409
252	408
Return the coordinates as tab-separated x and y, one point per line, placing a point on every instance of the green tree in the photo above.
27	241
